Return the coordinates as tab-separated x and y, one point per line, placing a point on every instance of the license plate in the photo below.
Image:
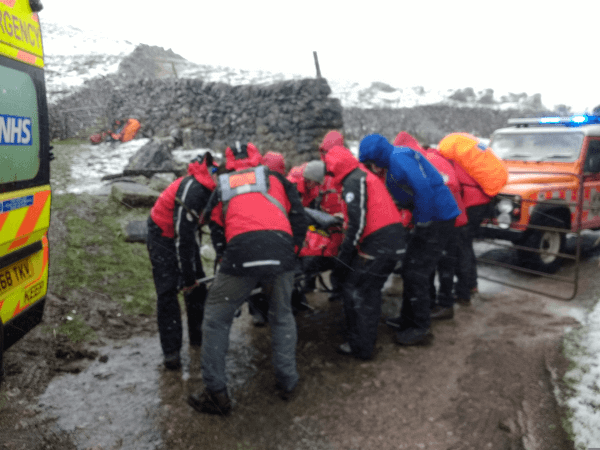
15	275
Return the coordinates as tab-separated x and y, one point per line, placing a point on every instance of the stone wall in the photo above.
290	117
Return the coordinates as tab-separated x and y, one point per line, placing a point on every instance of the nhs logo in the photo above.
15	130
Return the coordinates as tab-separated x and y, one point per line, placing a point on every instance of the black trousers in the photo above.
423	253
446	269
362	300
167	281
466	269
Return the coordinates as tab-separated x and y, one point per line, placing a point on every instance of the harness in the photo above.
253	180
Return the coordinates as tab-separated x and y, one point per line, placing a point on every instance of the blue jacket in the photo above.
411	179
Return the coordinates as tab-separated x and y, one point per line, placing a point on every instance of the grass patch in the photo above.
76	330
93	254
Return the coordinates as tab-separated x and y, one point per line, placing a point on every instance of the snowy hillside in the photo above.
74	56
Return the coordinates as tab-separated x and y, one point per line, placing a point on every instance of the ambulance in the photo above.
24	172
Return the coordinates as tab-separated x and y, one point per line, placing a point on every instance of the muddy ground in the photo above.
486	382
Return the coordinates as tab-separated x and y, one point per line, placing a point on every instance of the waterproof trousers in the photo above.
425	248
466	269
443	295
165	272
362	300
226	295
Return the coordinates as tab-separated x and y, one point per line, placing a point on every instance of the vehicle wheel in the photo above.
551	242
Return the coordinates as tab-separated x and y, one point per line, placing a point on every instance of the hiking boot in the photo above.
287	394
462	301
335	296
211	402
442	313
393	322
172	361
414	336
258	320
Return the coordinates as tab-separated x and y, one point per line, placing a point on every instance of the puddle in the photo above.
119	403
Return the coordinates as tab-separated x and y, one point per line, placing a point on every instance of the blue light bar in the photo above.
550	120
570	121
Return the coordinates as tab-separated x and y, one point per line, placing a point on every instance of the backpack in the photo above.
477	160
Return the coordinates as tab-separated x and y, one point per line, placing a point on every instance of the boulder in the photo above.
136	231
154	157
133	194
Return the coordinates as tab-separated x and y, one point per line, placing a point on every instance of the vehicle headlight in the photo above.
505	206
504	220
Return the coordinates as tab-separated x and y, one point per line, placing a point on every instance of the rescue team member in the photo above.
174	251
307	178
442	299
476	203
330	201
372	245
415	184
275	161
254	231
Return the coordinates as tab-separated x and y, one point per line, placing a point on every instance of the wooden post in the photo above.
317	65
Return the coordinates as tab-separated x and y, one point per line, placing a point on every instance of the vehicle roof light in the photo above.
568	121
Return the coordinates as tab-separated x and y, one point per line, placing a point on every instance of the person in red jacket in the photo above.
307	178
175	256
330	201
275	161
257	223
373	243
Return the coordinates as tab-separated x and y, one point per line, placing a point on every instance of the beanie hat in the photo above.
315	171
330	140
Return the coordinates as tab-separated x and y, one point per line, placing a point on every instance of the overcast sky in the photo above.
530	46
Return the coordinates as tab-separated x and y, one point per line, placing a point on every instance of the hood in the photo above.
332	139
275	162
242	157
404	139
339	162
539	178
199	169
377	149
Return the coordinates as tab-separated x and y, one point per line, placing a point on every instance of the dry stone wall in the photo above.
290	117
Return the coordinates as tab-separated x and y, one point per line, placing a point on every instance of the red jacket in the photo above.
253	235
369	205
163	210
472	192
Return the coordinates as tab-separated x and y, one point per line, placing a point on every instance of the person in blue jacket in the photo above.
416	185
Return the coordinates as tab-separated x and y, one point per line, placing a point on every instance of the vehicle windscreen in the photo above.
560	147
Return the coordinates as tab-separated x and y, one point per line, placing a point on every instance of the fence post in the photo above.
317	65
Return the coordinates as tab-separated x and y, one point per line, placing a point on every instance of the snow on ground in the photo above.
110	158
95	161
585	380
